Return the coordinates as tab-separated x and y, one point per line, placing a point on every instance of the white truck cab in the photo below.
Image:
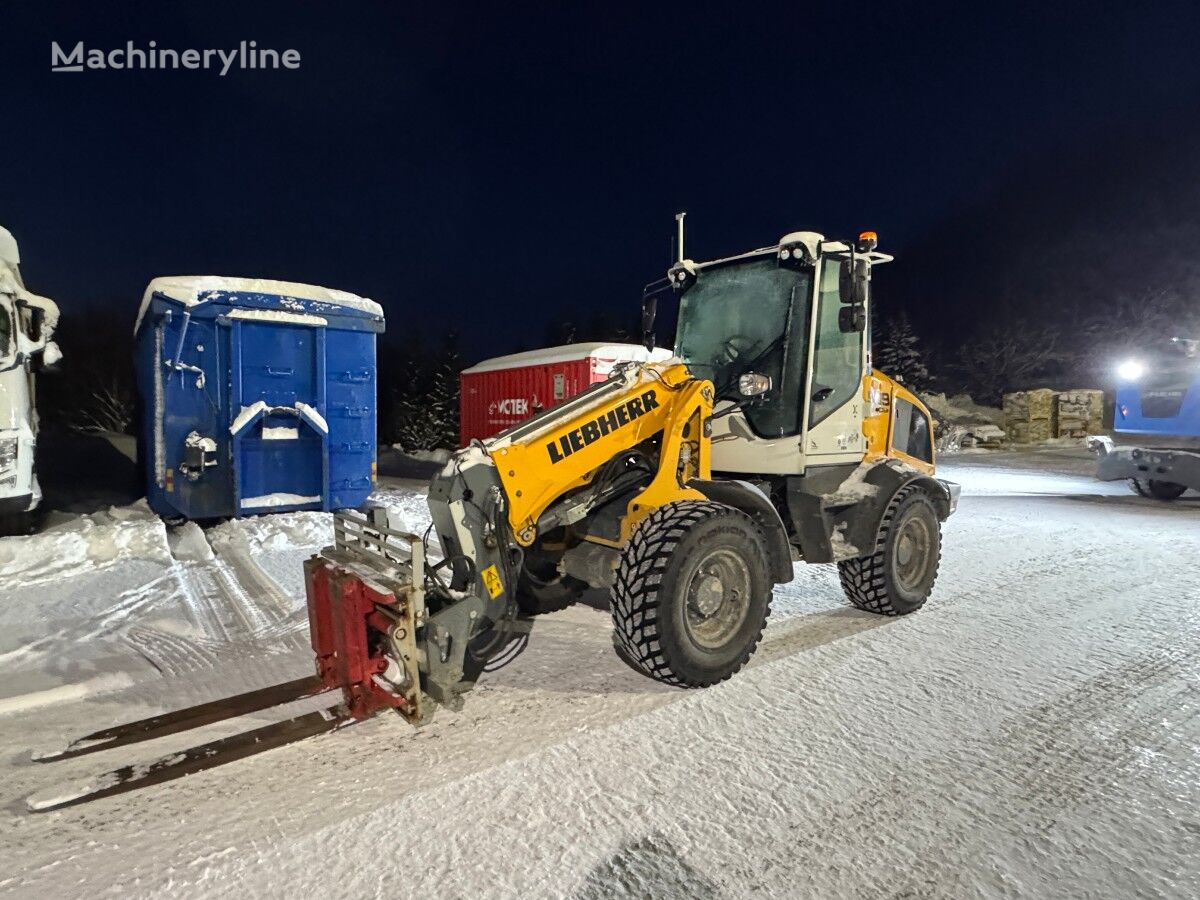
27	324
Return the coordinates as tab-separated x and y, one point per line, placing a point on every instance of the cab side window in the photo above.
837	357
911	433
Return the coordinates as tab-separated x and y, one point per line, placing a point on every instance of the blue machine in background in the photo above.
1156	423
257	396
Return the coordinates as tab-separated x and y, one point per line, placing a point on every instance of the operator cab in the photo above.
1159	393
795	314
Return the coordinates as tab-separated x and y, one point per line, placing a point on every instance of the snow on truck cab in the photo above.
27	323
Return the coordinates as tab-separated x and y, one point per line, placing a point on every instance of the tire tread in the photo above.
864	579
635	597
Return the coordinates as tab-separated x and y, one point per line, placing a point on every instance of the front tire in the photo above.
692	594
898	577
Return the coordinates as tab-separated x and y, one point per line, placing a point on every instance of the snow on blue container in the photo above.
258	396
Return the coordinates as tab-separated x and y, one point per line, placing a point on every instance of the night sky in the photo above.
497	169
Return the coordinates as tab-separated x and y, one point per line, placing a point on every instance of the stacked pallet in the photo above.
1079	413
1029	416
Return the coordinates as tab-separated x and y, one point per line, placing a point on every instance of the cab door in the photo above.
837	362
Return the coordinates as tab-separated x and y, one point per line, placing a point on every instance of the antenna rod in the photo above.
679	221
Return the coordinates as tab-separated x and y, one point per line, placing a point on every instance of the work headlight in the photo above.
1130	370
753	385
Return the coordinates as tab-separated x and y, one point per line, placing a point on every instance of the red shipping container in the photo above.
498	393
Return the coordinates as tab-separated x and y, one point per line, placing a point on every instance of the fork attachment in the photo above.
365	601
185	719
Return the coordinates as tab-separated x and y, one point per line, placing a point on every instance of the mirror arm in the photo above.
736	406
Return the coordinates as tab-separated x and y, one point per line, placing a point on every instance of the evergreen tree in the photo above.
444	393
422	411
899	353
409	414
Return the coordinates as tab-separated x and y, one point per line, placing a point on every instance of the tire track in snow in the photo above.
172	654
1060	756
1050	758
129	603
252	620
1106	695
233	604
204	592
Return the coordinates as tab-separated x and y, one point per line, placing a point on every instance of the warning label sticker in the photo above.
491	580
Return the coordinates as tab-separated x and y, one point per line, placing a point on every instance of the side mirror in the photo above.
649	313
852	318
853	278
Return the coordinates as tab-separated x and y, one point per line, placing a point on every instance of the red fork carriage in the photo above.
366	593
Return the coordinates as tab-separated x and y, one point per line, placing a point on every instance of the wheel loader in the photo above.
688	489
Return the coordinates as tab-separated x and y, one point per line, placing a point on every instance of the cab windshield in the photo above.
750	317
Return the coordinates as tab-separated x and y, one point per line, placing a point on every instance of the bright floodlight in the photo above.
1130	370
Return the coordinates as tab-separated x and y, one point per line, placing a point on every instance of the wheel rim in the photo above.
717	598
910	558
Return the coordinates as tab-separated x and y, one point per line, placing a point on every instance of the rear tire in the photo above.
1164	490
537	596
692	594
17	523
898	577
1139	487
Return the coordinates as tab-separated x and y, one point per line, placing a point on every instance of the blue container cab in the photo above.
257	396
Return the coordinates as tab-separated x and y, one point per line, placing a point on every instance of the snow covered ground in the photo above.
1032	732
